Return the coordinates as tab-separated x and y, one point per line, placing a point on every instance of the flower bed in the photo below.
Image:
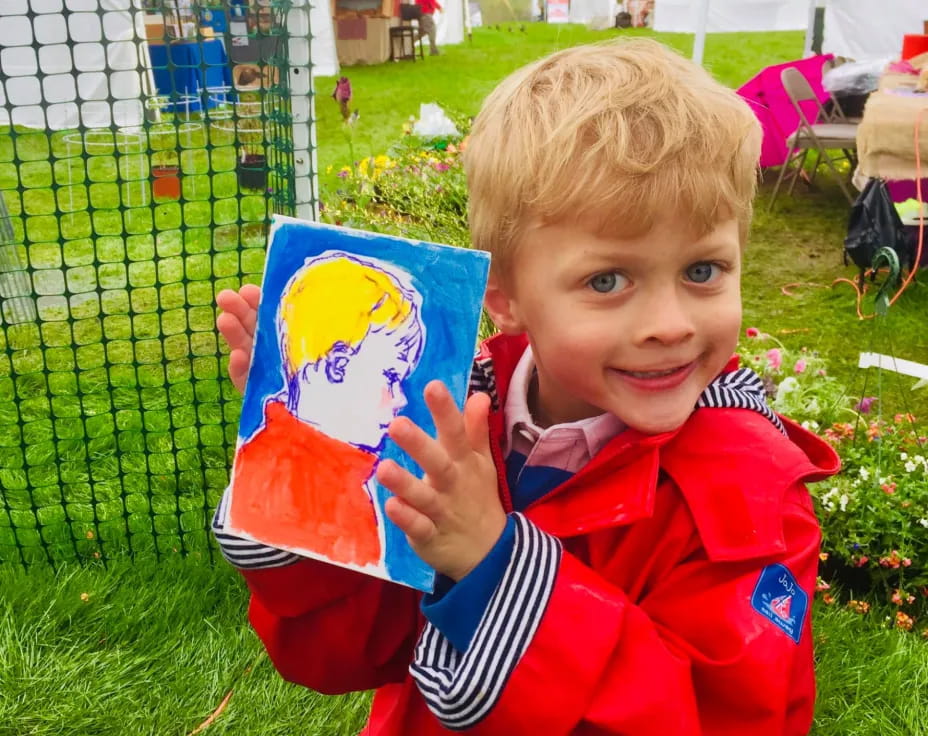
874	514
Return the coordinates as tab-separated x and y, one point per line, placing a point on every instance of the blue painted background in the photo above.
451	282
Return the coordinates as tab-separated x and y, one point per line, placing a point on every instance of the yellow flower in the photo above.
85	597
89	534
381	162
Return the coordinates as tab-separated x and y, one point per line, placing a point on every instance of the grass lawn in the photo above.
386	95
127	421
154	649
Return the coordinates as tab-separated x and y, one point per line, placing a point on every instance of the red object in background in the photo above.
914	44
165	182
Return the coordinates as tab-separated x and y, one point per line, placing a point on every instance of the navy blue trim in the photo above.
462	688
456	609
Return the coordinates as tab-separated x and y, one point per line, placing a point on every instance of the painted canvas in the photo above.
351	327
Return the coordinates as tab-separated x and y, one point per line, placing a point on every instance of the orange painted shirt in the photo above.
296	488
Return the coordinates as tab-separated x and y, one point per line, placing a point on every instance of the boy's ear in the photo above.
501	307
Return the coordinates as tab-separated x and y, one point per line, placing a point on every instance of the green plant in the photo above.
797	382
415	190
875	513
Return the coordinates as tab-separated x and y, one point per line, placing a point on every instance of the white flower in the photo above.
827	501
843	501
920	460
812	426
865	474
923	522
910	467
903	456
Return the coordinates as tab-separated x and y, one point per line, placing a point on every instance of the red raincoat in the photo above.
680	601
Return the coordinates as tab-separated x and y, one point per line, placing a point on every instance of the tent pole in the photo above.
810	30
702	20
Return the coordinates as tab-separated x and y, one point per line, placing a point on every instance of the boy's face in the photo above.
636	327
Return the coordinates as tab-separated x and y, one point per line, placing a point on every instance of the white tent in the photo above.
862	29
683	16
855	28
100	82
97	84
598	12
450	22
322	48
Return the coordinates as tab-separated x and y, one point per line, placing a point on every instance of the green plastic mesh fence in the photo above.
143	147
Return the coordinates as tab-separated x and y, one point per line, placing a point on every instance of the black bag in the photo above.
410	12
874	224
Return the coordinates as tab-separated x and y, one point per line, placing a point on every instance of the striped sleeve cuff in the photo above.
246	554
462	688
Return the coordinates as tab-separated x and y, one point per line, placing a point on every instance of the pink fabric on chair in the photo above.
765	93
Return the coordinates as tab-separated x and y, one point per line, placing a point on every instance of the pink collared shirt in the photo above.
567	446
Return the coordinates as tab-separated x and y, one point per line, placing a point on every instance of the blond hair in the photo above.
336	300
617	134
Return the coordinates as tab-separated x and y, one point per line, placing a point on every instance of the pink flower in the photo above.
821	371
774	358
752	332
800	366
863	406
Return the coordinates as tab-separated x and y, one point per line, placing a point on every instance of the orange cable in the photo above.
918	196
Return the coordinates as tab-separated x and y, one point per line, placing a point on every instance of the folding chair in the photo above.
837	113
820	137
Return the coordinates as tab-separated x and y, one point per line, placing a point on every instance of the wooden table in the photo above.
368	46
886	135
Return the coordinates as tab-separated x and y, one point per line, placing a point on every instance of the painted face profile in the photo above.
350	332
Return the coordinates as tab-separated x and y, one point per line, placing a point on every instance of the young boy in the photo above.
620	523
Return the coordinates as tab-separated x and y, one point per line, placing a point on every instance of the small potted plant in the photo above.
165	174
252	162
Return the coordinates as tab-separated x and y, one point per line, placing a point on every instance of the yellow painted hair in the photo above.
337	301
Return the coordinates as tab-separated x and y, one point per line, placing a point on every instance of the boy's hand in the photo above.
452	517
237	325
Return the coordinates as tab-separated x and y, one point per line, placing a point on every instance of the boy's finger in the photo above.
251	294
417	527
449	424
231	302
238	369
429	454
230	327
410	489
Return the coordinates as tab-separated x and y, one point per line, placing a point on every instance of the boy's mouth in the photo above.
658	373
660	378
655	374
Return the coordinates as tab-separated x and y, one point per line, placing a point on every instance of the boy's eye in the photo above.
392	376
606	283
700	273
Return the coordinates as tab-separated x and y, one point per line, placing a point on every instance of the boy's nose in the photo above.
665	319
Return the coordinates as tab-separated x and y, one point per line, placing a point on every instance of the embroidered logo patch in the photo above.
778	597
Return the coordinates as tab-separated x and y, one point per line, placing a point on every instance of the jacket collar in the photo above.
618	486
